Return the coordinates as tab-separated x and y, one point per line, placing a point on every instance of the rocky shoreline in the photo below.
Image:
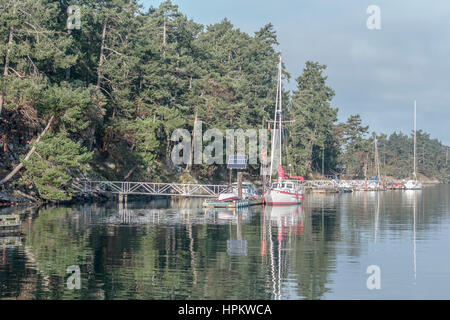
16	197
10	198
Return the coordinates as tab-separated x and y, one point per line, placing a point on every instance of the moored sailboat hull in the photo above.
282	198
413	185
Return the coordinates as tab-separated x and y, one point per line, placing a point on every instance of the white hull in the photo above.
228	197
413	185
282	198
248	192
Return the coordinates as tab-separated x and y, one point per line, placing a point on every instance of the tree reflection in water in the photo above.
174	250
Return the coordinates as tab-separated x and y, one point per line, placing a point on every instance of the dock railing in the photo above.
149	188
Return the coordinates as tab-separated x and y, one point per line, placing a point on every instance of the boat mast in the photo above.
377	160
415	140
273	135
277	104
280	106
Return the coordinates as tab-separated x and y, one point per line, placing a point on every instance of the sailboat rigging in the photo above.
286	190
414	184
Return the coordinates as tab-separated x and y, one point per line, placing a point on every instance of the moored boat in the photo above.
344	187
414	184
248	192
286	190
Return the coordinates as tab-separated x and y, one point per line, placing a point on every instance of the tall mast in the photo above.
377	160
280	106
272	153
415	108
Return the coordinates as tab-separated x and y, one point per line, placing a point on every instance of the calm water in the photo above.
173	250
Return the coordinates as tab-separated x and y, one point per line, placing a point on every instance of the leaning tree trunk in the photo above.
29	154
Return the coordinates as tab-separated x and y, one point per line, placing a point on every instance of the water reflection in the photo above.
288	222
171	249
411	196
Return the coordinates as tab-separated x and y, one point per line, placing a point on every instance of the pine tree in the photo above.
356	147
313	115
57	160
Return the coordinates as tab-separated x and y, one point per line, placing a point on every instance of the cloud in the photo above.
376	73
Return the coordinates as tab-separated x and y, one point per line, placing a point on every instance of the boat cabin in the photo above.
247	189
288	186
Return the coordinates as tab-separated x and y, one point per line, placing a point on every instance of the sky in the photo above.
375	73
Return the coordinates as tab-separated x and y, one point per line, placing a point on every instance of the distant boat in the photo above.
414	184
286	190
345	187
248	192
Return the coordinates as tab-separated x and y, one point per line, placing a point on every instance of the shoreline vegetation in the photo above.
102	101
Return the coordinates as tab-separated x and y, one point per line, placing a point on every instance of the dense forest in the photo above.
102	100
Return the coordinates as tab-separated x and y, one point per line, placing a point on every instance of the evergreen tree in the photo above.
356	147
117	88
57	160
313	115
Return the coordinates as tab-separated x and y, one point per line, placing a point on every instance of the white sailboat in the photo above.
414	184
286	190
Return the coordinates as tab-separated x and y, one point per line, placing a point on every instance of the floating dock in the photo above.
231	204
9	221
